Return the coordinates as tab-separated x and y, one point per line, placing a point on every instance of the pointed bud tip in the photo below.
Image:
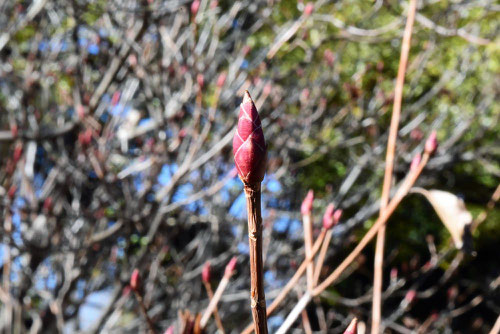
410	295
307	203
231	266
221	79
431	143
353	327
336	215
135	280
195	5
249	145
205	272
247	98
415	162
309	8
328	221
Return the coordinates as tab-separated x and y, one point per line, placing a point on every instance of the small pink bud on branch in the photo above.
135	280
218	293
308	9
336	216
353	327
205	272
410	296
230	267
195	6
221	79
328	221
307	203
170	330
431	143
415	162
249	145
394	274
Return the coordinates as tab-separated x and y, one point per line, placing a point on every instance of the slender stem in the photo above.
210	294
292	282
381	220
400	194
305	318
290	319
496	327
321	257
258	299
144	311
307	223
213	302
389	164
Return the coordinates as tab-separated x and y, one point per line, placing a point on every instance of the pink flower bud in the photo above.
170	330
230	267
307	203
431	143
410	295
336	216
308	9
182	133
200	79
135	280
195	6
221	79
353	327
85	137
249	145
415	162
115	99
205	273
394	274
328	221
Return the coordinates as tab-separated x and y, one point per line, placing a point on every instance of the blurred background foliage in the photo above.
327	93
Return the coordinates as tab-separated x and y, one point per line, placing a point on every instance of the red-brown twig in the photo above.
321	257
213	302
293	281
258	299
136	285
381	220
389	164
144	311
307	220
249	148
496	327
210	294
305	318
218	293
